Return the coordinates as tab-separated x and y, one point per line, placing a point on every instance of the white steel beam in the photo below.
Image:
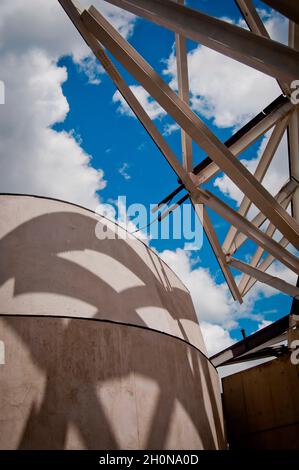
248	137
265	264
246	140
293	139
245	226
183	85
257	26
284	195
259	174
190	122
73	11
258	255
252	18
212	237
288	8
263	54
293	130
266	278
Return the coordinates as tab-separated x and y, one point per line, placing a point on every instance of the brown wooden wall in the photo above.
261	406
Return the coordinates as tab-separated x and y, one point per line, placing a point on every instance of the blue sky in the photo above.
115	140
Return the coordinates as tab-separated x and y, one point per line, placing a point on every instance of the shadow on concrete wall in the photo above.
78	355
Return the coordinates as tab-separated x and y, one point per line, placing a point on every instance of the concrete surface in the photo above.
103	349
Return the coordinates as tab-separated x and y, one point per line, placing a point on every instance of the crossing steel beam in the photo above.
288	8
259	275
259	174
263	54
183	85
190	122
253	48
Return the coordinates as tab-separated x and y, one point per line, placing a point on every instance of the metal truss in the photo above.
261	344
254	48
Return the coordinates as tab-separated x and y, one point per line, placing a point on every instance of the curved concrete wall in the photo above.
82	320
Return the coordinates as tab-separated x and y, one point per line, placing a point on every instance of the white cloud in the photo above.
216	337
34	158
263	324
210	299
225	90
276	25
31	24
123	171
92	69
170	128
277	174
152	108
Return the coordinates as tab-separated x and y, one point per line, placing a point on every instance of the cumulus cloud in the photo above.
224	90
216	337
152	108
34	158
32	24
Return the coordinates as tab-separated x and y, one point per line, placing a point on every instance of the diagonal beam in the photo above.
73	11
183	86
240	141
283	196
258	236
293	130
216	247
250	230
256	25
288	8
210	169
258	255
266	337
74	14
182	173
265	264
259	174
263	54
252	18
266	278
190	122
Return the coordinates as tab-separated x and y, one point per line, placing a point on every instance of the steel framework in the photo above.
254	48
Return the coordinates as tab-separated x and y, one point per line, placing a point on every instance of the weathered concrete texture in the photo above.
53	263
88	384
262	407
82	320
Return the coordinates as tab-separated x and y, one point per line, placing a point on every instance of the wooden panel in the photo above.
262	407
